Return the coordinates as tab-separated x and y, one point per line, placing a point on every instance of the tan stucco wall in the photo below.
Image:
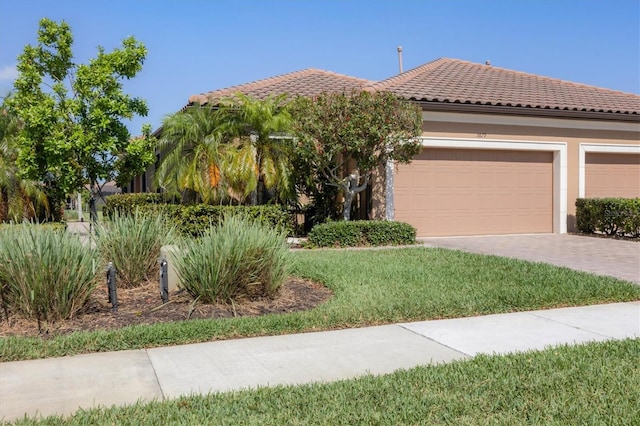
573	137
377	194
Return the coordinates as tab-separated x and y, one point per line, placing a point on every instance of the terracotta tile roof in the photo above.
454	81
307	82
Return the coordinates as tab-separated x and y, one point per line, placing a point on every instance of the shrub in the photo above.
128	203
132	243
45	273
238	258
55	226
611	216
361	233
70	215
195	220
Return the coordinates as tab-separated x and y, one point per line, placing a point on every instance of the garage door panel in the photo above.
612	175
475	192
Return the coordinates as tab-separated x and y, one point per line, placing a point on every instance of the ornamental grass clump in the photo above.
132	243
45	273
237	258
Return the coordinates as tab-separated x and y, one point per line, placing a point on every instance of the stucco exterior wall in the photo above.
573	133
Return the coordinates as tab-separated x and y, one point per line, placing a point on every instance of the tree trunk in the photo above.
351	188
4	205
348	201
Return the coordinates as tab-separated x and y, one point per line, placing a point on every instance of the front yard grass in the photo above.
371	287
591	384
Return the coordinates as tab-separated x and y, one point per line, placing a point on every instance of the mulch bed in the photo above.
610	237
142	305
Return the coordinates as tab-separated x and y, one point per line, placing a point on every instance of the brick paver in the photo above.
602	256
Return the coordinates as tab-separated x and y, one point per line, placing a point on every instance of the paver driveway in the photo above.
602	256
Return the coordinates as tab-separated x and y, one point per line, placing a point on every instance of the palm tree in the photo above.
20	199
190	153
258	156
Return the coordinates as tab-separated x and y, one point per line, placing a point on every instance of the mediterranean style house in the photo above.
504	152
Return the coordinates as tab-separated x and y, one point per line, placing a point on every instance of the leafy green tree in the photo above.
259	158
137	155
190	150
19	198
342	138
71	114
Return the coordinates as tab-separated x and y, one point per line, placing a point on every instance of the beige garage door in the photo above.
612	175
476	192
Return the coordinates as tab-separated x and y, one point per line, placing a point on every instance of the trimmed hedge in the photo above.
611	216
193	220
361	233
125	204
56	226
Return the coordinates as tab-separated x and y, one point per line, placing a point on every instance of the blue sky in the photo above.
197	46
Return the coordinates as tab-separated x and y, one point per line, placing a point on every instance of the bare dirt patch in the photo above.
142	305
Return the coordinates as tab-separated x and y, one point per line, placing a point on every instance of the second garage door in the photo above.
476	192
612	175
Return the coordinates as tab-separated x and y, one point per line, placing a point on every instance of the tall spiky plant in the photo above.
238	258
45	273
132	243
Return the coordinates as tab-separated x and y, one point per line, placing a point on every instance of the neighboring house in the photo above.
504	151
308	82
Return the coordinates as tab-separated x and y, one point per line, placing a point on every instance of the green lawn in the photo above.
592	384
370	287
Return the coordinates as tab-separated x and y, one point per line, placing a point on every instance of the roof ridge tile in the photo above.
342	80
447	80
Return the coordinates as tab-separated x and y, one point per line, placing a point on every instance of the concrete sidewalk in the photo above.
62	385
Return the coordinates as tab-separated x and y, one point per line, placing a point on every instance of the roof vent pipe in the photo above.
400	58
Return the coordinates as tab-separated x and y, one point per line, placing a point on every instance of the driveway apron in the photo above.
601	256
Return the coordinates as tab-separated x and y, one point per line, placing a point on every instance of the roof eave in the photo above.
526	111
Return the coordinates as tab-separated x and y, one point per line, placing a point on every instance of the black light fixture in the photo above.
164	280
111	287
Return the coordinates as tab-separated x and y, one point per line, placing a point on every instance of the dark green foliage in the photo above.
72	114
194	220
56	226
20	199
125	204
362	233
363	128
611	216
